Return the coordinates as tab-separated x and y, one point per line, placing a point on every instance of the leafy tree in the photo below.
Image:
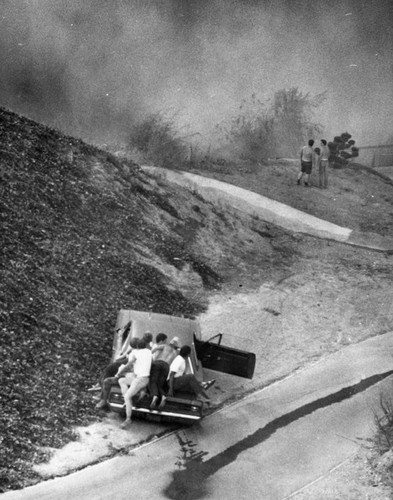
251	133
263	130
157	140
293	118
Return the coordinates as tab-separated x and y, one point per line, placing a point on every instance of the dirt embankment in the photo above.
292	299
86	234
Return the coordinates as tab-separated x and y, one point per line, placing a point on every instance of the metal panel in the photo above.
225	359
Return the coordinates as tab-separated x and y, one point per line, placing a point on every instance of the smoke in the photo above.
93	68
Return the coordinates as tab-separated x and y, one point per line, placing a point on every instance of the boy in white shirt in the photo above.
323	165
132	383
180	381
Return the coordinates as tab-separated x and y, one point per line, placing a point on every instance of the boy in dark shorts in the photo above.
306	160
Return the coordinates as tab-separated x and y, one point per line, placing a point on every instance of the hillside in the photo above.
86	233
358	197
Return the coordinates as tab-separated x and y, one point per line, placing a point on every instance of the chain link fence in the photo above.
376	156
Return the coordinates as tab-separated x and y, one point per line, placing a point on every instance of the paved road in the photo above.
266	446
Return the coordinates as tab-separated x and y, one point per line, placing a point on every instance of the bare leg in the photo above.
106	387
188	383
137	384
125	383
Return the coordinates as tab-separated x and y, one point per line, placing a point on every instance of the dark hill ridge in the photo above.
84	234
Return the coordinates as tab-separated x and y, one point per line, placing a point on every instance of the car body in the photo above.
182	408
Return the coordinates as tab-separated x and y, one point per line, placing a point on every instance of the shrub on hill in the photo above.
341	150
382	460
250	135
263	130
293	115
157	141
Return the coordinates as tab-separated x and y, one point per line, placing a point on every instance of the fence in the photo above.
376	156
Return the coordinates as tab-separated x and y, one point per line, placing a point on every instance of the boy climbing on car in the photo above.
180	381
163	355
132	383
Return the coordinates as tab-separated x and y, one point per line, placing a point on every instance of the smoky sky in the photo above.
94	67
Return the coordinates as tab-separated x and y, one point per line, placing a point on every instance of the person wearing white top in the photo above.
179	380
133	382
323	164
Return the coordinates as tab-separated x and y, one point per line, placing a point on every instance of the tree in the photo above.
157	139
275	128
293	113
251	134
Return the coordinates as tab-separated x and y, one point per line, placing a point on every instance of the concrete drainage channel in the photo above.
271	211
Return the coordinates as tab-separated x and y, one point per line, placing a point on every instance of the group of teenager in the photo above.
318	158
159	368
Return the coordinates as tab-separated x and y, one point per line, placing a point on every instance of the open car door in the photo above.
215	356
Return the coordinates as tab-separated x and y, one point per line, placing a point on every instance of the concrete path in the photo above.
271	211
269	445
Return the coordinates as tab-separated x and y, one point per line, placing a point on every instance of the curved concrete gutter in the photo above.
271	211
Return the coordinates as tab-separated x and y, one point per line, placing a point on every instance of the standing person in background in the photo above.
323	165
306	161
316	161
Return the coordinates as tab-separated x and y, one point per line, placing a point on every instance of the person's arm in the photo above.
126	351
171	377
121	359
315	159
124	369
128	366
157	348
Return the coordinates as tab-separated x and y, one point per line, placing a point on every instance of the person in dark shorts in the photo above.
163	355
111	369
306	161
110	376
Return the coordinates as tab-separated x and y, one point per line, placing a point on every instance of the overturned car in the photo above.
211	354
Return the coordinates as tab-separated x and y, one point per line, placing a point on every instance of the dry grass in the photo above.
157	141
